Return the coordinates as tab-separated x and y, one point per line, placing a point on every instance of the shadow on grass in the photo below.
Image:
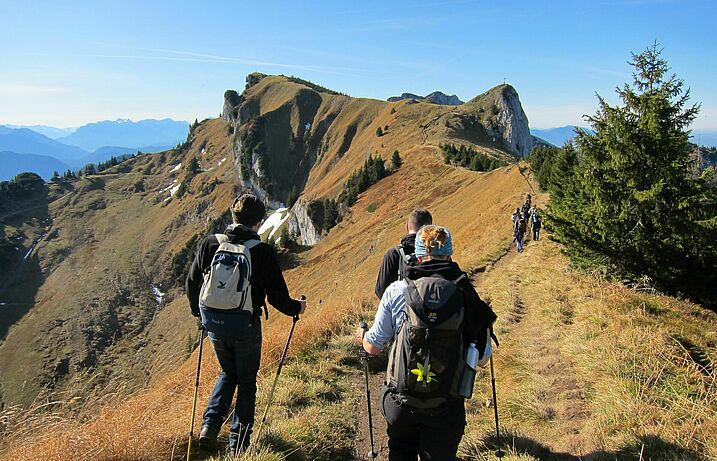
652	447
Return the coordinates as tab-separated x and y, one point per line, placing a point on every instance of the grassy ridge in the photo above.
595	370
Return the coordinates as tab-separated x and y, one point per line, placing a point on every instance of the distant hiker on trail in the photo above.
515	217
399	257
238	259
532	211
535	222
526	206
519	228
435	317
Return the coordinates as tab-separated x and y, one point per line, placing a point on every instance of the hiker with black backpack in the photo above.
436	320
398	258
229	281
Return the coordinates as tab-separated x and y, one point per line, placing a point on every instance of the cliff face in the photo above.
301	226
502	115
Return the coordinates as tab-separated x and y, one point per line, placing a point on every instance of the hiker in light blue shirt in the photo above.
389	316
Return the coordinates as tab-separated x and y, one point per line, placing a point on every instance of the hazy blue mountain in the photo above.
26	141
126	133
541	142
49	131
704	138
12	163
556	136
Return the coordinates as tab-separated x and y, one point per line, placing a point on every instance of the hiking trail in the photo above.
549	376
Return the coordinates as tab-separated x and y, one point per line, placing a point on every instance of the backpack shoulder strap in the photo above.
251	243
221	238
460	278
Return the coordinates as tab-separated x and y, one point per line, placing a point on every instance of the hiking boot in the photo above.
208	438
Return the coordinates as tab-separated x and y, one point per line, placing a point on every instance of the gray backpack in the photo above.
426	360
227	283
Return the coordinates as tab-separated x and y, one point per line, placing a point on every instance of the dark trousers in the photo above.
536	232
432	435
239	356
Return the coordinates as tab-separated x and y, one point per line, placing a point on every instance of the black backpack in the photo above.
405	261
426	359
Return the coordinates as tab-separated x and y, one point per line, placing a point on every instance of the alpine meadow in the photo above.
605	343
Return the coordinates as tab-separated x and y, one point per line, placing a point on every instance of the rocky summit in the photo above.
436	97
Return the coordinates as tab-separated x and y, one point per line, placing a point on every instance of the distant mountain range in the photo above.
49	131
558	136
126	133
33	150
26	141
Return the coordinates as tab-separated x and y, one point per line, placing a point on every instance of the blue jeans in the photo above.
239	356
519	241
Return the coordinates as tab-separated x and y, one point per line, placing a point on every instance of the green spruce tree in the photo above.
625	197
396	161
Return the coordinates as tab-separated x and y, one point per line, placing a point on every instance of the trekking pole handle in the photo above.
364	326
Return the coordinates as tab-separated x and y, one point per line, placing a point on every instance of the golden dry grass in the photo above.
594	370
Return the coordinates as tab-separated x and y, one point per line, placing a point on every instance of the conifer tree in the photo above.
625	196
396	161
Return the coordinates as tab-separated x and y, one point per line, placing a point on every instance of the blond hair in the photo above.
432	237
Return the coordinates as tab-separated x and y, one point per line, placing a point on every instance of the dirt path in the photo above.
530	340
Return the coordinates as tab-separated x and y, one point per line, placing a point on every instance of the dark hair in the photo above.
418	218
247	209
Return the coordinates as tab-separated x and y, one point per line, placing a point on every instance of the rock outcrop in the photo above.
301	226
232	101
436	97
503	118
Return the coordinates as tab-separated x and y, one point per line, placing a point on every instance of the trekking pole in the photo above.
499	453
196	391
278	372
364	358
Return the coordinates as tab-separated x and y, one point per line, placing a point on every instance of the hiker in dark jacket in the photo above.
519	228
391	265
526	206
432	434
235	333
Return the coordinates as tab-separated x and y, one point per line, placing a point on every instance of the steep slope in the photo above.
90	314
294	137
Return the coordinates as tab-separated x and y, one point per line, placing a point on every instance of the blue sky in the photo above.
69	63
